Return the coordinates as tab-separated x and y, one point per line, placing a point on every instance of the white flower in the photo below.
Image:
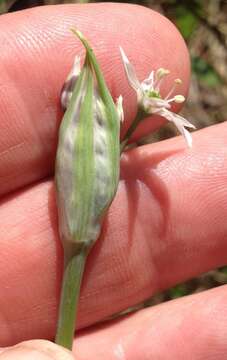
150	100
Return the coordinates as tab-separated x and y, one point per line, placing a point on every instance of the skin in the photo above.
166	224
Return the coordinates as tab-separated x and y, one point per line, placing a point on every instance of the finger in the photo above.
166	224
37	51
193	327
36	350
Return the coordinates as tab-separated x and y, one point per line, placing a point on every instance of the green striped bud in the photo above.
88	155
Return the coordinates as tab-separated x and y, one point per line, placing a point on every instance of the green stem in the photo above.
139	116
70	292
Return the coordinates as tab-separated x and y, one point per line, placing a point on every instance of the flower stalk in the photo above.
73	272
138	118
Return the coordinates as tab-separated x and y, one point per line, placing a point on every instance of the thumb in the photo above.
36	350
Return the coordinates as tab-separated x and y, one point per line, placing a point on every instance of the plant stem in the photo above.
70	292
139	116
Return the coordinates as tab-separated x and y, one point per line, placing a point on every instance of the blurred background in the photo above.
203	24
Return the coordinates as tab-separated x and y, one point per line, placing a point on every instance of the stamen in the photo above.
130	72
159	75
176	82
170	100
179	99
161	72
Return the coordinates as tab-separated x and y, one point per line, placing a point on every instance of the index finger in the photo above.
37	50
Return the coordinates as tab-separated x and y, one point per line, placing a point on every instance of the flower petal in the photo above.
187	136
169	115
130	72
184	122
148	83
156	104
180	123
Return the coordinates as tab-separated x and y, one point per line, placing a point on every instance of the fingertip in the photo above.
44	48
36	350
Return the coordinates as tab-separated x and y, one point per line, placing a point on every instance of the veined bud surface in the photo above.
88	155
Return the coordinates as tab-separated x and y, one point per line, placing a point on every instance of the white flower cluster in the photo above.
150	99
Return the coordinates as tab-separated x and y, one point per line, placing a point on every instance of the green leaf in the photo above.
5	5
205	72
178	291
185	21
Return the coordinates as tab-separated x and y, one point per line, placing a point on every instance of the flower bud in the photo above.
88	155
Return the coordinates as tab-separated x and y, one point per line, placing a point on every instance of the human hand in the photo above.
166	224
36	350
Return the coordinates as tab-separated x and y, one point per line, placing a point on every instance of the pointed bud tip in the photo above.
77	33
82	38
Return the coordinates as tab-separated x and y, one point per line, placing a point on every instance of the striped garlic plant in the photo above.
87	163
